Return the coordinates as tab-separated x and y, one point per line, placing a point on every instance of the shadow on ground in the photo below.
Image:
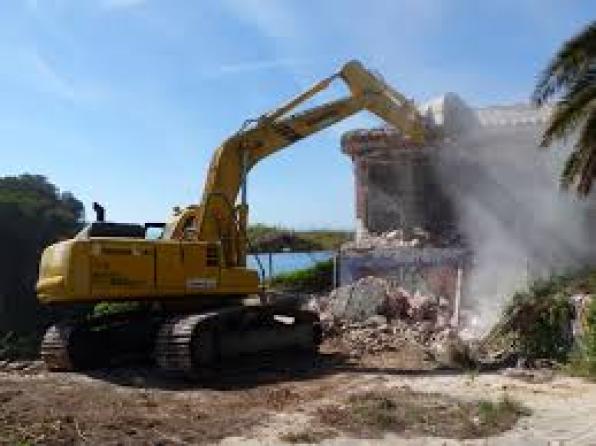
254	371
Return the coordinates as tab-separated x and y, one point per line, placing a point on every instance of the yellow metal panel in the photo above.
169	267
53	271
121	267
198	277
239	281
78	271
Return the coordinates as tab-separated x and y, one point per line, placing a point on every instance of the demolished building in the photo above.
411	225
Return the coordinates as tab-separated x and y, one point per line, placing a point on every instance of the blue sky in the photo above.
124	101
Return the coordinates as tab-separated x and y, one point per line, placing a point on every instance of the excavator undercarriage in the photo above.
192	344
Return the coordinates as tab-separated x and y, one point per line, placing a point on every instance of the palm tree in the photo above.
571	77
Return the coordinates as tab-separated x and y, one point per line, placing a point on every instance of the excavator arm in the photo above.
217	219
278	129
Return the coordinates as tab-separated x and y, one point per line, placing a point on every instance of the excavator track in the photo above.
199	344
173	345
195	344
99	341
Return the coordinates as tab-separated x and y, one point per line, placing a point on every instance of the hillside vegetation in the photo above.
33	214
264	238
316	279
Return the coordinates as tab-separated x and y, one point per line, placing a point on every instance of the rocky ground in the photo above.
385	374
390	398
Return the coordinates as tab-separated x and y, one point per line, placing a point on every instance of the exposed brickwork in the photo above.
396	183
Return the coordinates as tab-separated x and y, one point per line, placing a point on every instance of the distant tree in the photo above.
33	214
571	77
264	238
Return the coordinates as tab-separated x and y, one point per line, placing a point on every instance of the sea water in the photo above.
284	262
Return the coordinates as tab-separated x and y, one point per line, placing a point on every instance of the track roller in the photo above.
200	343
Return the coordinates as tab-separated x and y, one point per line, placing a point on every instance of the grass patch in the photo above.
580	365
317	278
315	436
365	415
372	414
109	308
504	412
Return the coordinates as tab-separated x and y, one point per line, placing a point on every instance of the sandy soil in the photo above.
260	406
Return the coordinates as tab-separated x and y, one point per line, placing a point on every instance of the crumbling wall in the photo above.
397	185
407	227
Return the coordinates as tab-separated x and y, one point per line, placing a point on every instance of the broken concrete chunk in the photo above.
375	314
359	301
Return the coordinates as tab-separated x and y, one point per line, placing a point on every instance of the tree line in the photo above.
34	213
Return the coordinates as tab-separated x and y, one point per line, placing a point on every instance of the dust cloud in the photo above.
518	223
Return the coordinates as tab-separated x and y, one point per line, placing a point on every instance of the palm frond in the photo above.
575	106
569	170
573	59
580	168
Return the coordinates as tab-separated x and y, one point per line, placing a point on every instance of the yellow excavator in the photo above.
197	294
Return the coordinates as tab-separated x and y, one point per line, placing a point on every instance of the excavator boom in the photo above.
278	129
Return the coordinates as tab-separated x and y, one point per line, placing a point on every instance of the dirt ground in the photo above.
293	399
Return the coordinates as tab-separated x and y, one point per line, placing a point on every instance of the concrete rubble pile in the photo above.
399	238
375	314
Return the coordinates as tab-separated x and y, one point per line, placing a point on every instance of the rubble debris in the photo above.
536	375
373	296
374	315
400	238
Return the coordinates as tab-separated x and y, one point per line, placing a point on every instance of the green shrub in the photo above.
319	277
506	409
590	337
107	308
541	320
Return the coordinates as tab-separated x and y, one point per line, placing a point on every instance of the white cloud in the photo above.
121	4
48	78
43	6
388	34
33	5
269	16
258	65
40	73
